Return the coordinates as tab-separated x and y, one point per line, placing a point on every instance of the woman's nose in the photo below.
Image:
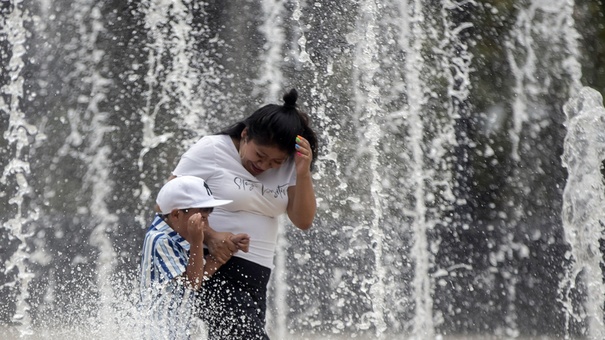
265	165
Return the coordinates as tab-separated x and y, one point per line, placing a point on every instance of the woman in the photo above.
263	164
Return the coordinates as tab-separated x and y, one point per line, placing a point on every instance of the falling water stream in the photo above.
456	197
583	196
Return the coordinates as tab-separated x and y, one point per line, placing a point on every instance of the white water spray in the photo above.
539	24
270	80
583	201
543	23
384	205
19	135
412	40
367	97
270	85
91	148
168	28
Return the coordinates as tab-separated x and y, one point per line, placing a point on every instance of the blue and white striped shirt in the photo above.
167	304
165	254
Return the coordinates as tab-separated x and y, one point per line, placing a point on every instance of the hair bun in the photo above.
290	98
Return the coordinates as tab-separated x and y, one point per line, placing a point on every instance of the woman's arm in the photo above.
242	241
301	197
219	244
301	206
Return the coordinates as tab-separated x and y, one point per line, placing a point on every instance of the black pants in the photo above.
234	301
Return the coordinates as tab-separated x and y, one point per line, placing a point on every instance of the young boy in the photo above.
173	265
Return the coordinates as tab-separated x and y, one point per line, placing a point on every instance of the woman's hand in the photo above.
221	246
303	157
242	241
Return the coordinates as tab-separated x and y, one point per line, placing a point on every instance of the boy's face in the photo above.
182	217
187	213
204	211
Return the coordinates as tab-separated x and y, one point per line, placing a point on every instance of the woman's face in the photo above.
257	158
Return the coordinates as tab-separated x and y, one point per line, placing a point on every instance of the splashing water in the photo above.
525	55
99	99
19	135
583	197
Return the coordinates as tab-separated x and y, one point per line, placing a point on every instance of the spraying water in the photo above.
99	99
526	58
413	38
19	135
583	198
367	95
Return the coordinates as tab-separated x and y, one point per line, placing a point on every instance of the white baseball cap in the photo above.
186	192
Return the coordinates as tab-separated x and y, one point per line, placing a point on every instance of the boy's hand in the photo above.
195	228
242	242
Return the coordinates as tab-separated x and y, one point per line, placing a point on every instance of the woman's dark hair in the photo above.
277	125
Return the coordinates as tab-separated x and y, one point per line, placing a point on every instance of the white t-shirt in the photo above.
257	201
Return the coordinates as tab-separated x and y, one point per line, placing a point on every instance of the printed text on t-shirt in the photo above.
245	184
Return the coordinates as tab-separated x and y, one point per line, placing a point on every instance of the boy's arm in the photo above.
195	266
197	271
212	265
